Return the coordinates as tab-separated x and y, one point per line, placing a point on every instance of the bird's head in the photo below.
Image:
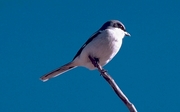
115	24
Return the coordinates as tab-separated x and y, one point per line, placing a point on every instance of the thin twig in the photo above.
113	84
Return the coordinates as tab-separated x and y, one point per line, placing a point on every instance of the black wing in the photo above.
87	42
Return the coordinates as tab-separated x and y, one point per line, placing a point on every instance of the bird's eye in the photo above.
121	27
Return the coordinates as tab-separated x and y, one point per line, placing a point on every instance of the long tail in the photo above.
58	71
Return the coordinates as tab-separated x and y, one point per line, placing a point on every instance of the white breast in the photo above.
104	47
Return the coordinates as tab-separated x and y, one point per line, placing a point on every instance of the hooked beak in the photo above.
127	34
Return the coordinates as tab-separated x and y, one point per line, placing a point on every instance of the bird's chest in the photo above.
106	45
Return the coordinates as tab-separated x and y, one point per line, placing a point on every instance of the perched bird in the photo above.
103	45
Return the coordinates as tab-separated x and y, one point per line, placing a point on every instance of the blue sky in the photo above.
39	36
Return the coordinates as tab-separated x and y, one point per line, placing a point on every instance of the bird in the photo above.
103	45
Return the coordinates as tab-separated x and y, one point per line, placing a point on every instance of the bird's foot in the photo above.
94	61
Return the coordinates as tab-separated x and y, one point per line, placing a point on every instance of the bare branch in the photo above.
113	84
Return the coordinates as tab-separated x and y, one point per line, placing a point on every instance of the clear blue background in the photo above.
38	36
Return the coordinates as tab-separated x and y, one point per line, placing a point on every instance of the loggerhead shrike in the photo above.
103	45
